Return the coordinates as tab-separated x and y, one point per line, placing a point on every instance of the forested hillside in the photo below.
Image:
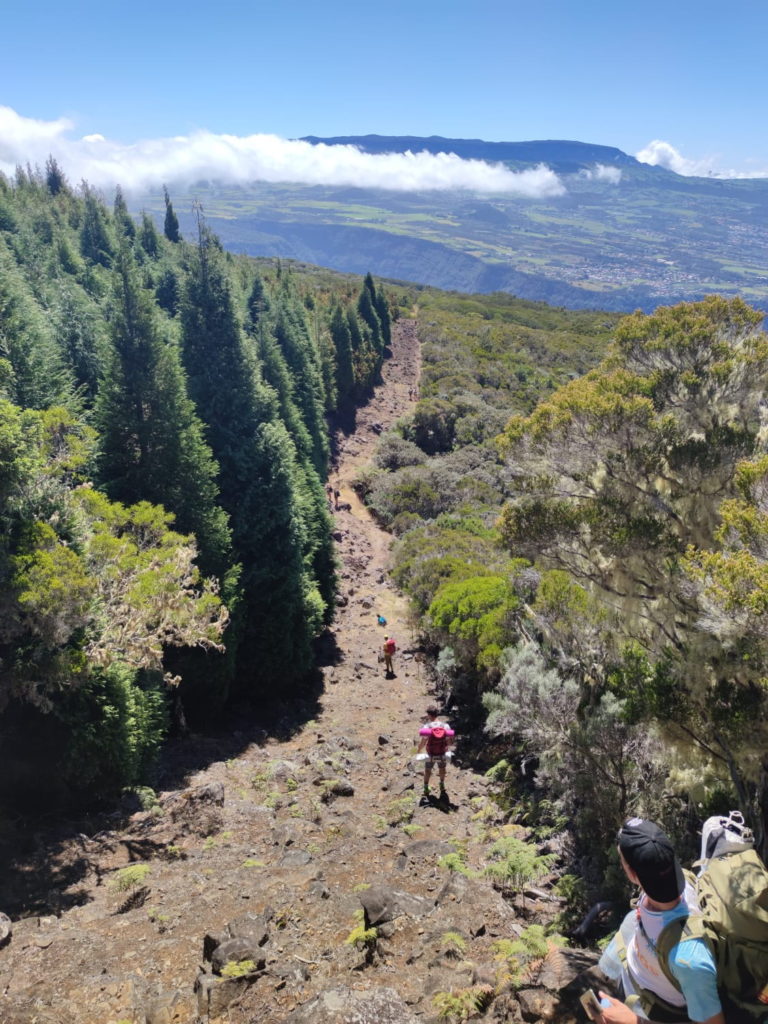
595	576
165	533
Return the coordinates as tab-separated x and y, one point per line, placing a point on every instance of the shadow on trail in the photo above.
343	423
439	803
49	859
246	723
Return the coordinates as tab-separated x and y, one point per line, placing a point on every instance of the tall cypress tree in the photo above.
95	243
367	311
38	375
258	475
171	224
148	237
152	445
342	343
123	219
381	306
303	362
80	336
275	372
259	306
54	177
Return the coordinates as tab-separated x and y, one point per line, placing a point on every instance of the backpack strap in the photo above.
652	1006
679	930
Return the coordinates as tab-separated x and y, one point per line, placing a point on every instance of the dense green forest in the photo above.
166	540
586	553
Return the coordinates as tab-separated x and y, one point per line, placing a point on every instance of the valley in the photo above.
639	238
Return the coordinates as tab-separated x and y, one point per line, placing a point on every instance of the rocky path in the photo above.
236	897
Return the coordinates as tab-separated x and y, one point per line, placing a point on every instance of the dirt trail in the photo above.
293	832
363	551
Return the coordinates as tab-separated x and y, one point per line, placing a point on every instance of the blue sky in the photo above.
688	73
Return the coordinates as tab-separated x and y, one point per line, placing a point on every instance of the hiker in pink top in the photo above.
389	650
436	737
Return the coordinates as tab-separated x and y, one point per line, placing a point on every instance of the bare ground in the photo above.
294	831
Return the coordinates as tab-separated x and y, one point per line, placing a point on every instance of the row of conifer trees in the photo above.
163	446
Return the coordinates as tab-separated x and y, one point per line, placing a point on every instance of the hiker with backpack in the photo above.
436	738
389	649
694	948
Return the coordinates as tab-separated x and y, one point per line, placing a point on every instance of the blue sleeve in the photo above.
693	965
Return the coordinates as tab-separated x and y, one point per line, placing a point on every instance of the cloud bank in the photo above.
204	155
602	172
662	154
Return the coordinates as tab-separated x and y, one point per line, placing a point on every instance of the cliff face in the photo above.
291	874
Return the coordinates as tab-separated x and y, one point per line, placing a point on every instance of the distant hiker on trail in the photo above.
336	496
389	649
381	620
436	737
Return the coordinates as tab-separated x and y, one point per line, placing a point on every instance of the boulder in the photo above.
347	1006
383	903
562	966
6	929
295	859
235	951
241	939
424	849
536	1004
197	810
175	1007
215	995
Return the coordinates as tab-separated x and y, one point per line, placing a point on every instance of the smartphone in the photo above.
591	1004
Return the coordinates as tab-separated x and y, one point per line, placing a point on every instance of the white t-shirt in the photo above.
690	961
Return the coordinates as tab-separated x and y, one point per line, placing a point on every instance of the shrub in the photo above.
360	936
237	968
130	877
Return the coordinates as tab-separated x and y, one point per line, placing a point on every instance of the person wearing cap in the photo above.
649	861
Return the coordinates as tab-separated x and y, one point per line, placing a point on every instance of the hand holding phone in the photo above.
591	1004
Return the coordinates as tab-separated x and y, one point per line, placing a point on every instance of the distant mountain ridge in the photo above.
637	237
563	156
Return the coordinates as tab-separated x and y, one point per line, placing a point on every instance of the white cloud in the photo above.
602	172
662	154
242	159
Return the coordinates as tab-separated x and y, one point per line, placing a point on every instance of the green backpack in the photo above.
733	895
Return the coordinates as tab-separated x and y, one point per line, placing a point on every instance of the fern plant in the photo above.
516	863
453	943
362	937
520	955
459	1005
455	862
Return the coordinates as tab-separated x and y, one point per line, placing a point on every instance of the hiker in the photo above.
649	860
389	649
336	496
436	737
